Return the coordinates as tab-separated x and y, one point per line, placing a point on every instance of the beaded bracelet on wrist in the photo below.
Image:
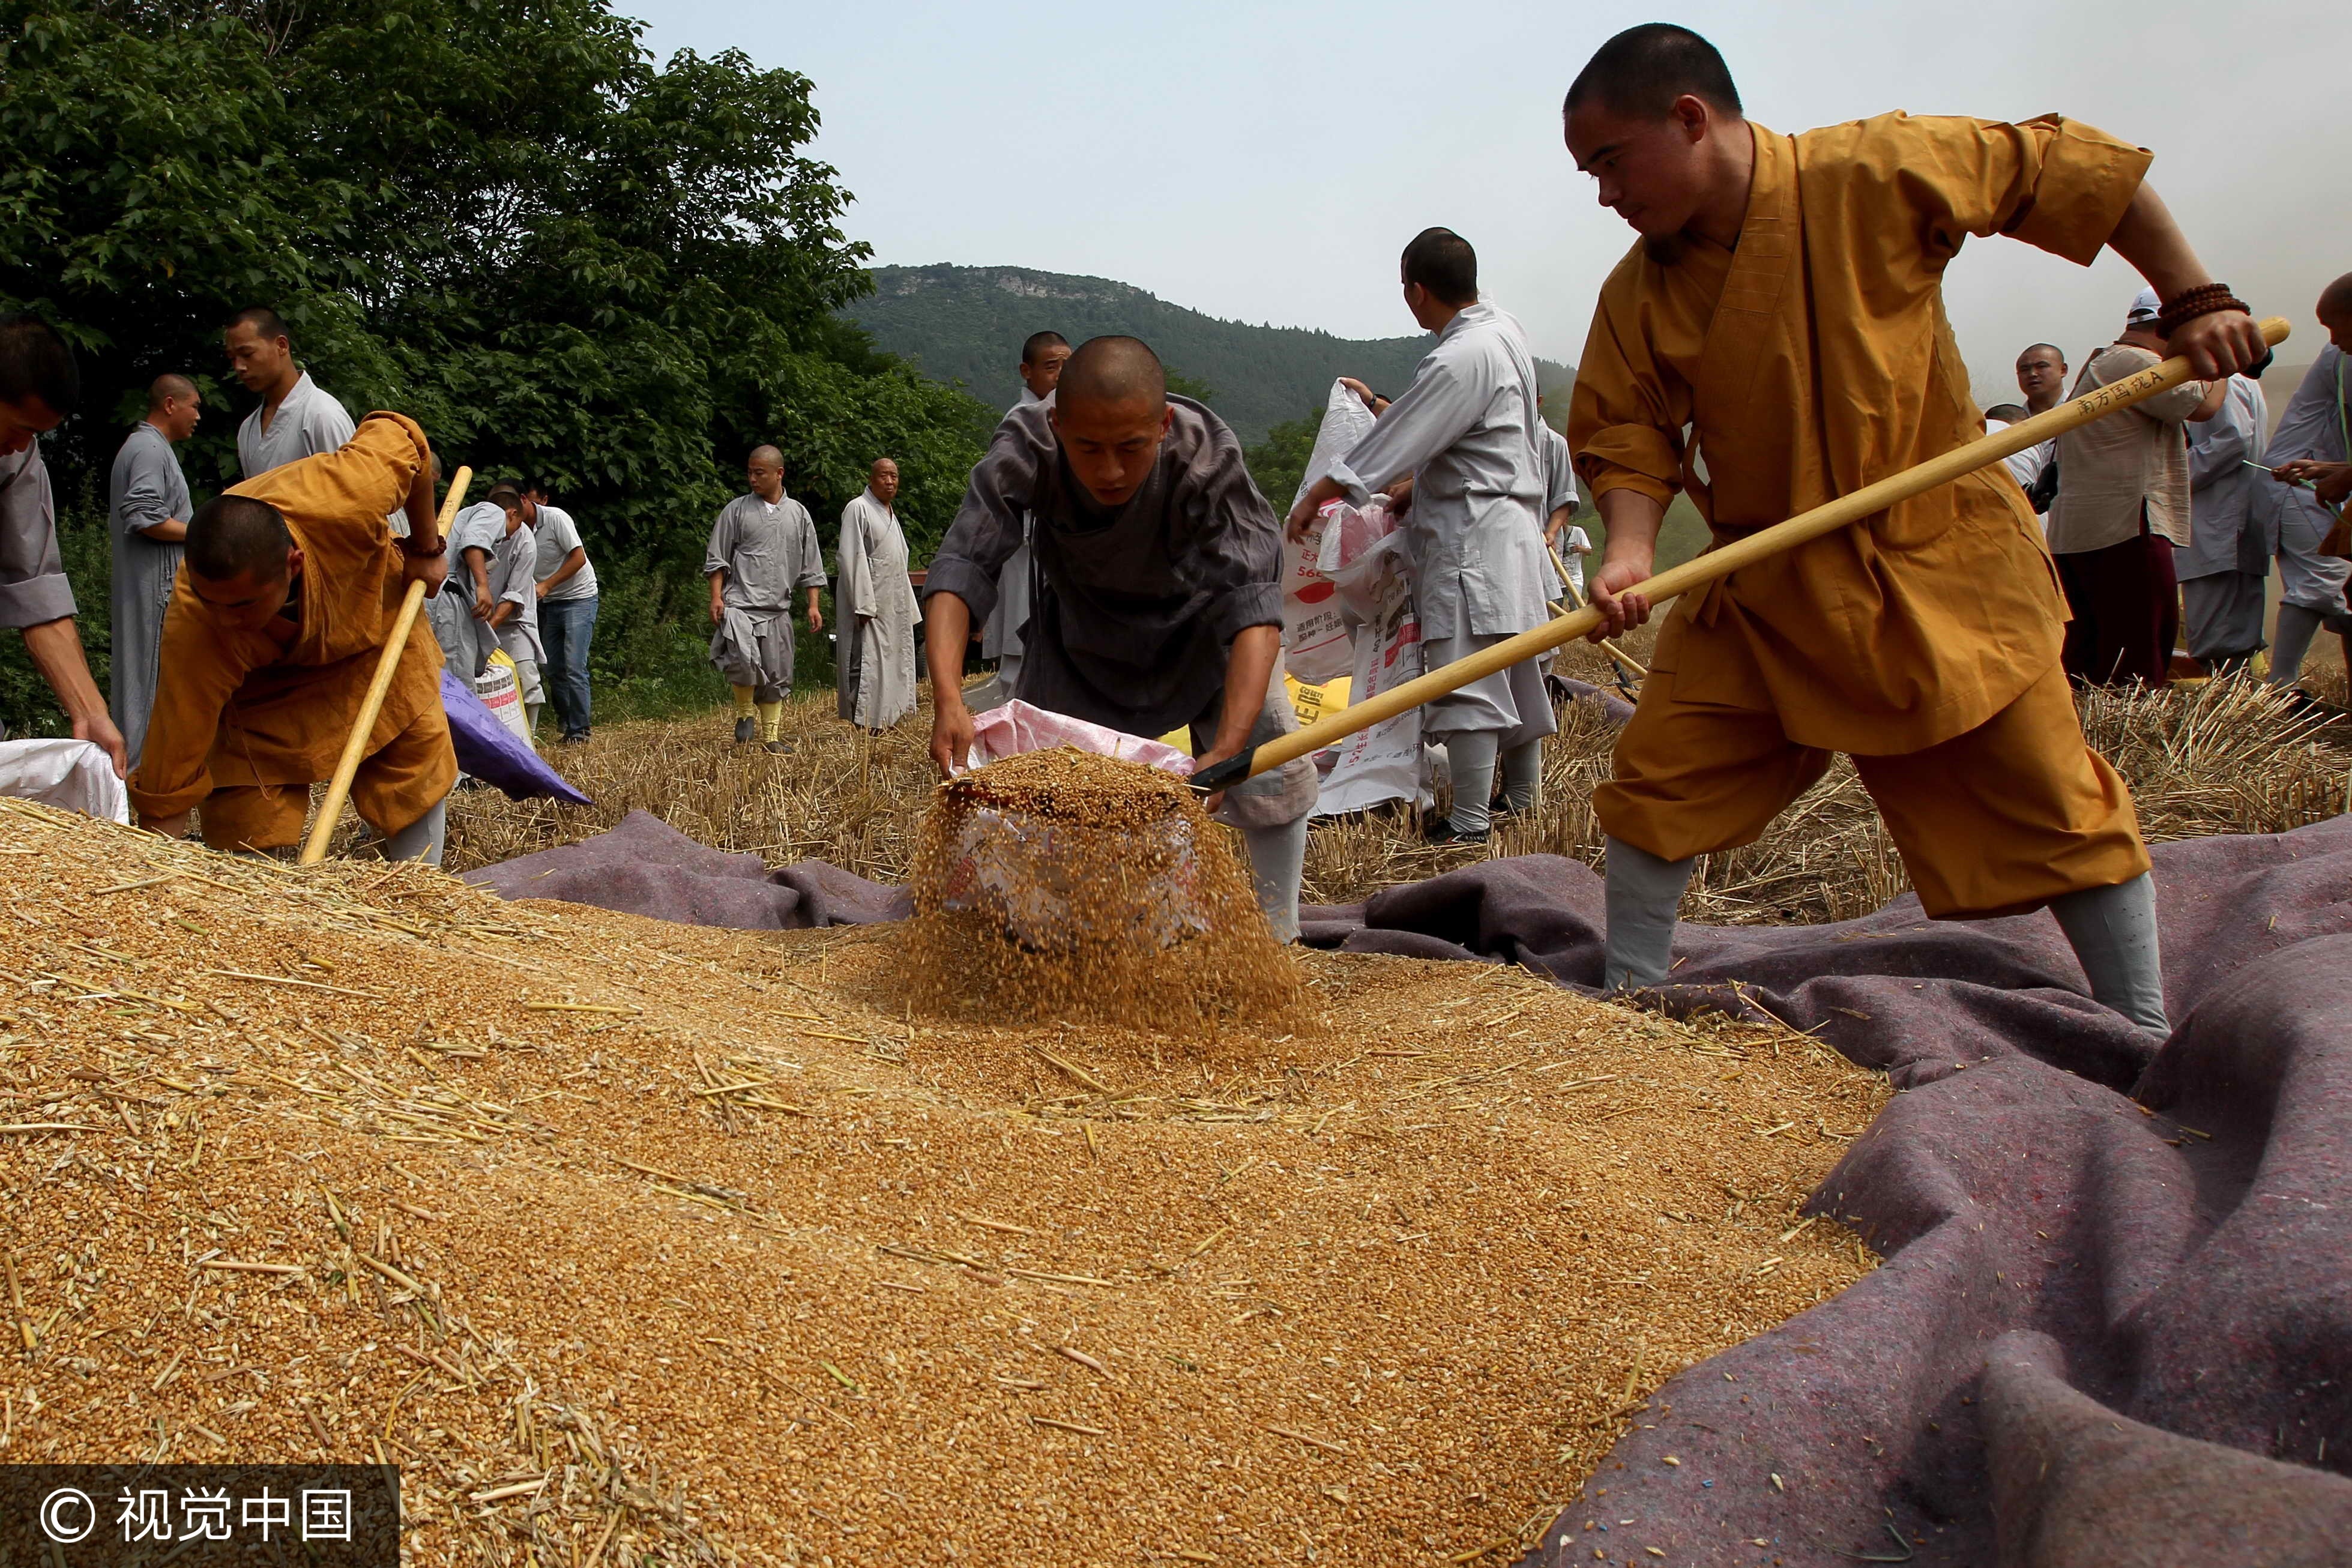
2205	300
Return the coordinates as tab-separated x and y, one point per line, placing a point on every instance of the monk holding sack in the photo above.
1785	302
290	586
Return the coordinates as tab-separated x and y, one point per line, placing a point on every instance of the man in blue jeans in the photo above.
567	609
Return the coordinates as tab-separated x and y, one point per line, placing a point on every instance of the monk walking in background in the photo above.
763	549
1785	303
292	584
147	520
874	607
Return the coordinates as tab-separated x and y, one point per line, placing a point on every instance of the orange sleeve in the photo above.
201	669
1626	414
338	499
2053	182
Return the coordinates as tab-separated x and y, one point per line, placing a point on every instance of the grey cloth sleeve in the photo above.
32	587
718	554
1436	412
812	554
987	528
143	501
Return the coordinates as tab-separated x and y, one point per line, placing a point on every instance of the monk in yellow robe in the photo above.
289	587
1784	308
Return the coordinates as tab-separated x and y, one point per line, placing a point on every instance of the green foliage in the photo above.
496	215
1278	463
965	324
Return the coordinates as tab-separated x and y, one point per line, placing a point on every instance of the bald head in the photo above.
2335	300
1113	370
234	537
166	387
765	470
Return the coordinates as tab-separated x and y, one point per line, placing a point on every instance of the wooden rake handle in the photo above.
347	766
1867	502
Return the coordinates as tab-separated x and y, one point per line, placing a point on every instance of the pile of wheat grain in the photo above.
643	1244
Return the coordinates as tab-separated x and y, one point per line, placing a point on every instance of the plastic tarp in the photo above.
494	754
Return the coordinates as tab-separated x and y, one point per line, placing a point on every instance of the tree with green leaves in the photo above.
499	217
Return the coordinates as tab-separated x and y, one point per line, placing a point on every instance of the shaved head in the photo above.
767	456
238	536
2335	300
1113	370
166	388
1642	70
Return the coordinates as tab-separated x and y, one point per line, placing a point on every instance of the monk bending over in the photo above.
1158	577
1785	304
290	586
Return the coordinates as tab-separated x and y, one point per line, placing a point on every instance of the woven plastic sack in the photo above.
1317	643
1016	727
73	774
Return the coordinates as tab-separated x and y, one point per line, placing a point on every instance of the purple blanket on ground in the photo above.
2099	1337
645	866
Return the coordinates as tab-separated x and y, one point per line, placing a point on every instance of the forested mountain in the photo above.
966	324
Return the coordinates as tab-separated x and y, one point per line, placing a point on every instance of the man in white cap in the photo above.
2123	509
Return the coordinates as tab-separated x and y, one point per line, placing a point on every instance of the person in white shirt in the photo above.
296	418
1467	435
567	609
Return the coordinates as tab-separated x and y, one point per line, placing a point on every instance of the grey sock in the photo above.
1523	775
1643	892
2114	934
2296	627
1277	855
422	839
1470	763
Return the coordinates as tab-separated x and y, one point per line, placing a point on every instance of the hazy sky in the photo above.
1267	161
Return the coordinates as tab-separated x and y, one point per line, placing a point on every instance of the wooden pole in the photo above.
1576	601
347	766
1866	502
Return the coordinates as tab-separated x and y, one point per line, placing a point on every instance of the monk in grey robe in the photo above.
296	418
763	549
498	556
2224	570
39	387
874	607
1467	435
1159	589
1042	357
2308	449
147	521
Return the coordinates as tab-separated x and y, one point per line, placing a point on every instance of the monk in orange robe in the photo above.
1784	305
290	586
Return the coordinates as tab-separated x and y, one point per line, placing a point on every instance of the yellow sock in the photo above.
771	720
742	700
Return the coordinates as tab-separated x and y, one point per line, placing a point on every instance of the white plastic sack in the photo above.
1316	645
73	774
1016	727
1384	763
